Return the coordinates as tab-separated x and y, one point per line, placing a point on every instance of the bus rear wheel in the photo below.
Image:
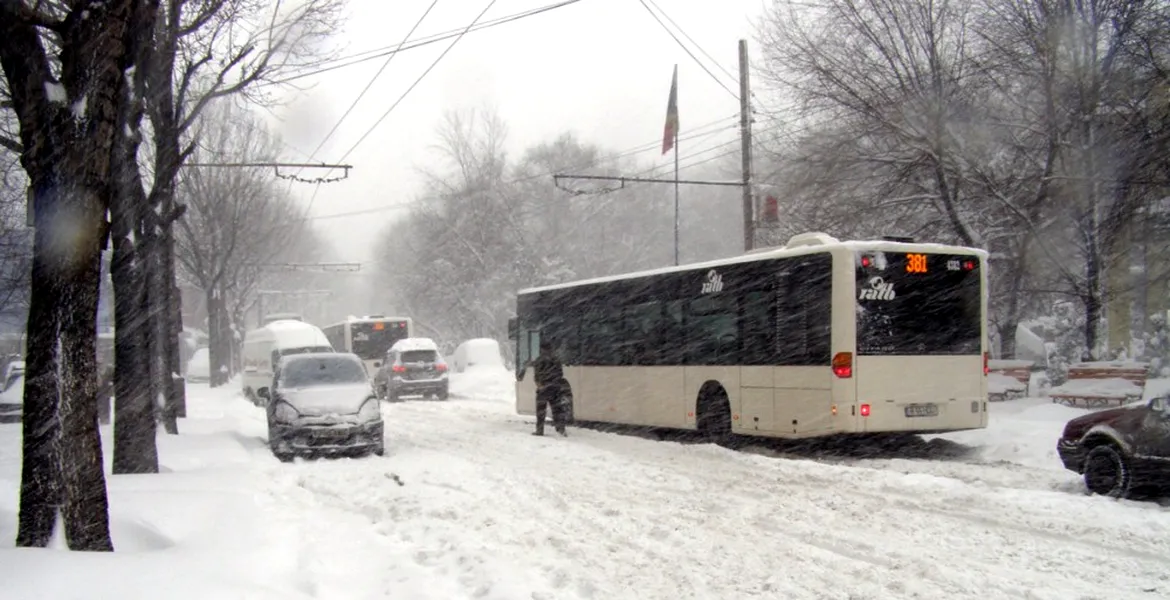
713	414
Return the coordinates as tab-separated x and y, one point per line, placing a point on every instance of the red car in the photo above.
1120	450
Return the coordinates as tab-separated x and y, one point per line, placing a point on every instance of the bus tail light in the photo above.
865	410
986	363
398	369
843	365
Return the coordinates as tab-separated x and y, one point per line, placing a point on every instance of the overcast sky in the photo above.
598	68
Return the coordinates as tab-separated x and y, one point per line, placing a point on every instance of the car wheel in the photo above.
442	395
379	450
1107	472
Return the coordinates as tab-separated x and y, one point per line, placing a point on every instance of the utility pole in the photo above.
745	134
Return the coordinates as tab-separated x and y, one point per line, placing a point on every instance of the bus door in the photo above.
527	348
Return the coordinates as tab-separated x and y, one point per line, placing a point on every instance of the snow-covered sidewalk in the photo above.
467	504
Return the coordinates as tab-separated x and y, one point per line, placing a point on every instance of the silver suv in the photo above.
413	367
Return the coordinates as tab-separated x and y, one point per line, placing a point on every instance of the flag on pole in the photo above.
670	130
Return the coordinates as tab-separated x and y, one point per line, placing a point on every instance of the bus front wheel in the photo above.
713	414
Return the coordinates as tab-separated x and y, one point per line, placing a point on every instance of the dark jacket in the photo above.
547	371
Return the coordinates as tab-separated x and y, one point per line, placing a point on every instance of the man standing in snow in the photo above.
548	376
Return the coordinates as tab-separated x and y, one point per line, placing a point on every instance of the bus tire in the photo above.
713	413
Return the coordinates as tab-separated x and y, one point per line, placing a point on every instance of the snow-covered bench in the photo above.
1008	379
1098	384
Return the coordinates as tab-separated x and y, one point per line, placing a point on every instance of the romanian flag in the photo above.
670	131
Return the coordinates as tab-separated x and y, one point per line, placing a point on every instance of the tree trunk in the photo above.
40	482
217	361
135	449
84	508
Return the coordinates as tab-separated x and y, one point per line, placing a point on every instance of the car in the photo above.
12	399
478	352
413	367
1120	450
322	403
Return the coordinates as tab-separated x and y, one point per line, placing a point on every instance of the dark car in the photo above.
413	367
322	403
1121	450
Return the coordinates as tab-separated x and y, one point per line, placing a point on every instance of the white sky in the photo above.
599	68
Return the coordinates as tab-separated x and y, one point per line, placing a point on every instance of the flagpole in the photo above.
676	196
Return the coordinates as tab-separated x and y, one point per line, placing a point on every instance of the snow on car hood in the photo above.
327	399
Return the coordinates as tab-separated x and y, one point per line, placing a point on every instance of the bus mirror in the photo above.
513	328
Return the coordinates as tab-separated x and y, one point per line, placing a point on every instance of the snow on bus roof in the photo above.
824	243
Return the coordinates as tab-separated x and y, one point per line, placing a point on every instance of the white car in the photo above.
322	403
478	352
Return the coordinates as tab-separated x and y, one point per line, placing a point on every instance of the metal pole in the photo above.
676	196
745	134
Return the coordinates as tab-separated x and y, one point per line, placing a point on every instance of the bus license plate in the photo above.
922	410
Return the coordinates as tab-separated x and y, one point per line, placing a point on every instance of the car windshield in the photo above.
318	371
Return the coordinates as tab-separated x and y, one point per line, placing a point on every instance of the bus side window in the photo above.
755	329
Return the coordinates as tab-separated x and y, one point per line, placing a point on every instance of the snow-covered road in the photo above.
467	504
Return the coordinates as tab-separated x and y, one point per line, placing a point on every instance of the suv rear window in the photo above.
418	356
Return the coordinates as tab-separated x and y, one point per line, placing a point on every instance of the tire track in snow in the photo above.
906	506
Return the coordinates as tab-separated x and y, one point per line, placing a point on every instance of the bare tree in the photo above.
198	51
63	68
236	220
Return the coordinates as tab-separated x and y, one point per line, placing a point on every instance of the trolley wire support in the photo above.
276	166
319	267
624	180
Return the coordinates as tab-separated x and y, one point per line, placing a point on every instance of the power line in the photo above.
373	79
341	63
687	50
416	81
691	40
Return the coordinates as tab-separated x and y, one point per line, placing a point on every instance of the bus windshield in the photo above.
918	304
372	340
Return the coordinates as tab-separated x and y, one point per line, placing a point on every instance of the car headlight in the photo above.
285	413
371	410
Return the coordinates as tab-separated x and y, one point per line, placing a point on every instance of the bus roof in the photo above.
806	243
369	319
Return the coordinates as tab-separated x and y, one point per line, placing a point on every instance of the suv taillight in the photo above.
442	366
398	369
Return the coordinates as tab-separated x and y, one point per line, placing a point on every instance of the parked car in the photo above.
11	370
1120	450
322	403
12	400
413	367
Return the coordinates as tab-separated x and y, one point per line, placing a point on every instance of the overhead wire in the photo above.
373	79
448	49
718	64
687	50
361	95
319	68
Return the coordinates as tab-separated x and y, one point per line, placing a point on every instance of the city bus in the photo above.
369	337
819	337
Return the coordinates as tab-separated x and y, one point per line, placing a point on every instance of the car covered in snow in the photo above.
413	367
478	352
1120	450
322	403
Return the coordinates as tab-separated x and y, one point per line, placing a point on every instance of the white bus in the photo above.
819	337
369	337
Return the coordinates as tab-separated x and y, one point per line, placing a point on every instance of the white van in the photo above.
264	346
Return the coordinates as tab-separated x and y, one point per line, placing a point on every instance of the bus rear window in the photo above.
918	304
372	341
